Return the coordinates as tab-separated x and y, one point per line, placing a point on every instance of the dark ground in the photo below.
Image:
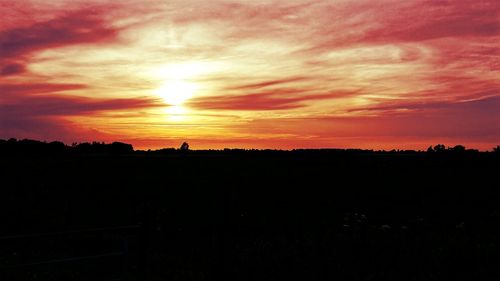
249	215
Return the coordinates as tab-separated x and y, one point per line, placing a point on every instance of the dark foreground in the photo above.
255	215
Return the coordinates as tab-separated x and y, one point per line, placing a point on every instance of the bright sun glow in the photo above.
178	86
176	92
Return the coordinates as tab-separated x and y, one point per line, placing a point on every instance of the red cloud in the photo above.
441	19
42	105
12	69
71	29
20	90
84	26
42	116
364	23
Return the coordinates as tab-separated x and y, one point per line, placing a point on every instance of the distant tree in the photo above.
439	148
120	147
458	148
496	149
83	147
56	146
184	146
430	149
166	150
472	151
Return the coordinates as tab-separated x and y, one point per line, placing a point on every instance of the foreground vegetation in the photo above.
248	215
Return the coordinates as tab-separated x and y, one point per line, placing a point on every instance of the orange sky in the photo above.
262	74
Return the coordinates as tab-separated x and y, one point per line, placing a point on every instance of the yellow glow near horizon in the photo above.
176	113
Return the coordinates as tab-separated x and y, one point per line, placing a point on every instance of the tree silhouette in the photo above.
184	146
440	148
458	148
496	149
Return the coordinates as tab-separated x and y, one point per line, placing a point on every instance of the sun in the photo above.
177	91
178	83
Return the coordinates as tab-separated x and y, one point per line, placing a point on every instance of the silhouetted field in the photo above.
247	215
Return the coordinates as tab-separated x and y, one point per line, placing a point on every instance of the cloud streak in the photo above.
42	116
80	27
75	28
70	106
21	90
278	99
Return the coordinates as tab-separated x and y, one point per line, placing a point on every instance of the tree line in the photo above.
35	146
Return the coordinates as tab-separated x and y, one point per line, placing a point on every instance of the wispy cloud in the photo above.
19	91
265	84
70	106
45	116
75	28
278	99
83	26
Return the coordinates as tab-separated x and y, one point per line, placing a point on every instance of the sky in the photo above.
252	74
